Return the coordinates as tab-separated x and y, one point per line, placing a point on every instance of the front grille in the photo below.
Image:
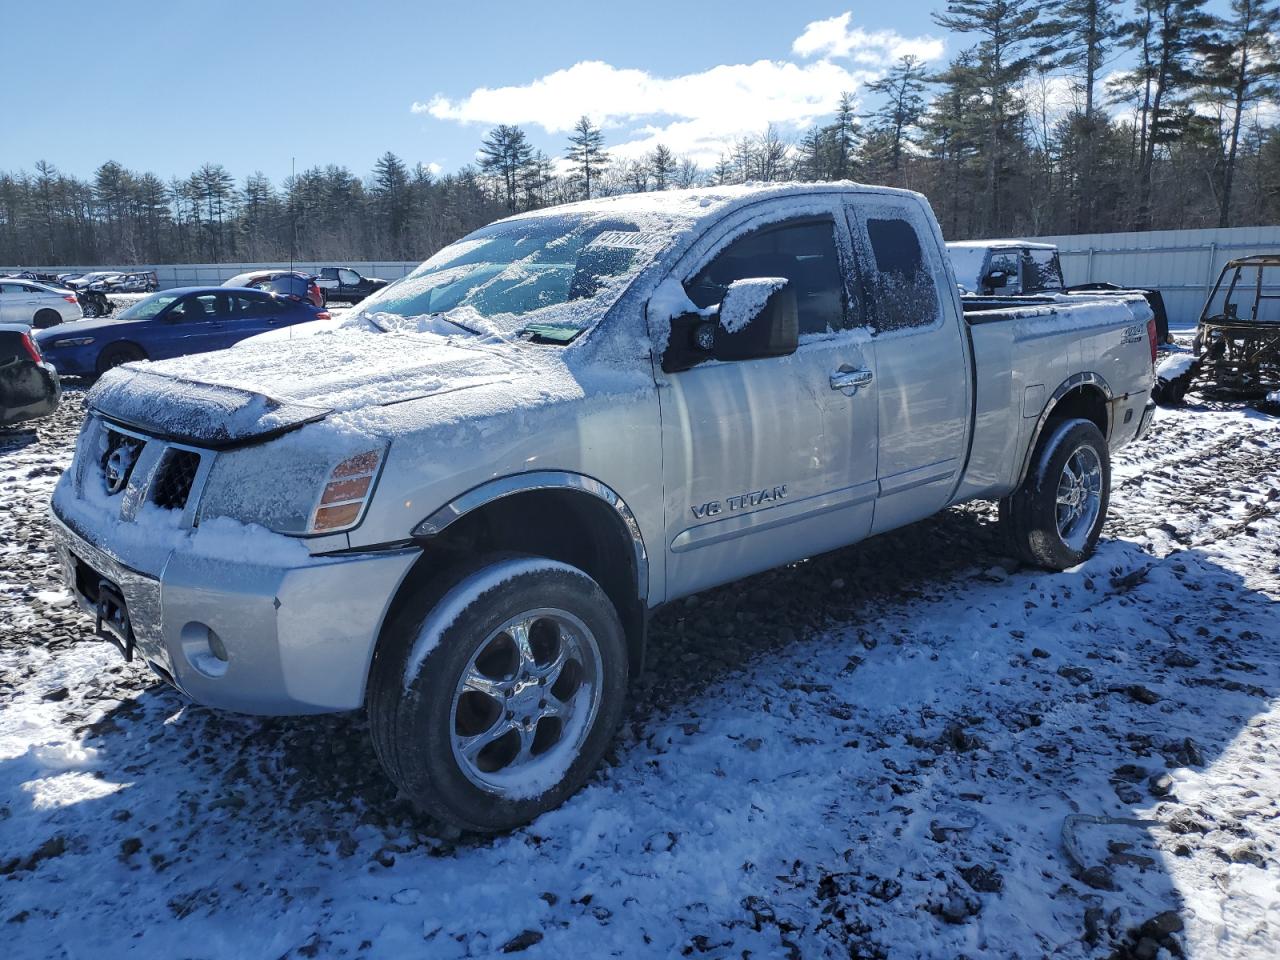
119	455
172	485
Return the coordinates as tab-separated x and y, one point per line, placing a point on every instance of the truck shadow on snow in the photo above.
901	729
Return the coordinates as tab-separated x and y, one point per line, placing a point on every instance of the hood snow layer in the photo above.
228	397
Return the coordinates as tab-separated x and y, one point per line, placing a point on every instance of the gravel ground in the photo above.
912	747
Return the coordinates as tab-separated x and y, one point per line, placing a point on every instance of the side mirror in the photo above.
757	318
996	279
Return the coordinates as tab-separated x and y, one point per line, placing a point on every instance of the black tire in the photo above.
46	318
1171	393
1030	515
118	353
415	695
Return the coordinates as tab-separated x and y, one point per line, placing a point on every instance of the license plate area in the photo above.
106	600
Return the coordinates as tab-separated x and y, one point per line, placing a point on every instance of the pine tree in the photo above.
586	152
661	163
1170	34
1243	68
1000	62
1079	34
841	138
504	155
903	90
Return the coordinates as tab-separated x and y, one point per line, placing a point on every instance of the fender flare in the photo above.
1073	382
498	489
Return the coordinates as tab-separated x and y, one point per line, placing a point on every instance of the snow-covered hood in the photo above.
231	397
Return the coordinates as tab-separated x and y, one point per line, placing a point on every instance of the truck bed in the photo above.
1026	349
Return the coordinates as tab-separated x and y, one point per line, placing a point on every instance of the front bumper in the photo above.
297	639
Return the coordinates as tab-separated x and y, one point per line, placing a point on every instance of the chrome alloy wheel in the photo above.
526	702
1079	497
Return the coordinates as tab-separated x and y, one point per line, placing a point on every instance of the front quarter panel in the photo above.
600	422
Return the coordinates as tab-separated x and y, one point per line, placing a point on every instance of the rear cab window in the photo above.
903	282
1041	270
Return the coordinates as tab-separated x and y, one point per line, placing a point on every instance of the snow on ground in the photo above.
912	747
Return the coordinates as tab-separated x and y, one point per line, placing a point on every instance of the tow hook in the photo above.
112	623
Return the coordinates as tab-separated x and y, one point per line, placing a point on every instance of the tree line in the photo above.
1024	132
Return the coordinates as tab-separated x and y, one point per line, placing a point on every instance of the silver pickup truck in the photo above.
457	508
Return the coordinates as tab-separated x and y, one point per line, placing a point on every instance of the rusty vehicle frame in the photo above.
1237	343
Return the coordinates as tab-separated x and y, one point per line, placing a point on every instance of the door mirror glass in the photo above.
996	279
757	318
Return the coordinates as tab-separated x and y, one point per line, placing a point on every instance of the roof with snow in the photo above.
701	203
999	245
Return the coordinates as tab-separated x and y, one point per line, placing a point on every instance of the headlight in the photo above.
72	342
295	485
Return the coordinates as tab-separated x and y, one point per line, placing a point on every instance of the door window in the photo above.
905	290
349	277
1006	263
202	308
252	306
804	253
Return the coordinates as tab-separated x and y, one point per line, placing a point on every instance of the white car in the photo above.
24	301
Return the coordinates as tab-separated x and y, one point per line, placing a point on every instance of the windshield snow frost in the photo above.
564	270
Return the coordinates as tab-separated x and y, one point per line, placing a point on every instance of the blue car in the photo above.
171	323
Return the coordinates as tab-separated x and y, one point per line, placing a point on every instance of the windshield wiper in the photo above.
432	316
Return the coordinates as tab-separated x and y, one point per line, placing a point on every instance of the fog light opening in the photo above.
204	649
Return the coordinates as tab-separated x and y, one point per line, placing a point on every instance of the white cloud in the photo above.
834	38
695	113
434	168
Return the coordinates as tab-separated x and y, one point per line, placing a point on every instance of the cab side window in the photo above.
803	252
906	294
1006	263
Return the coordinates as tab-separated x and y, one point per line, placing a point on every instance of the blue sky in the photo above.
166	86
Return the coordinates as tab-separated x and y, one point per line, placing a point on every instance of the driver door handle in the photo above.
848	379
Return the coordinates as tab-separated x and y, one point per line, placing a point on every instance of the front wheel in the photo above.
117	354
494	696
1054	519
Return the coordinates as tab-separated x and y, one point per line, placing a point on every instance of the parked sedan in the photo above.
172	323
291	283
37	305
29	386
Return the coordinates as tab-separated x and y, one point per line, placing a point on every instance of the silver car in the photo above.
25	301
458	510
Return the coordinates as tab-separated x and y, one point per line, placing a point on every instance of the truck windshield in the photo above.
564	270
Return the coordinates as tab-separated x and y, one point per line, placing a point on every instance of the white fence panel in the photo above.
1182	264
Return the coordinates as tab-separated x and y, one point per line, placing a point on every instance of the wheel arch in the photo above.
562	515
1085	395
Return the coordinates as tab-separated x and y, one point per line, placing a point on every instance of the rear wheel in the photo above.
46	318
118	353
494	696
1055	518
